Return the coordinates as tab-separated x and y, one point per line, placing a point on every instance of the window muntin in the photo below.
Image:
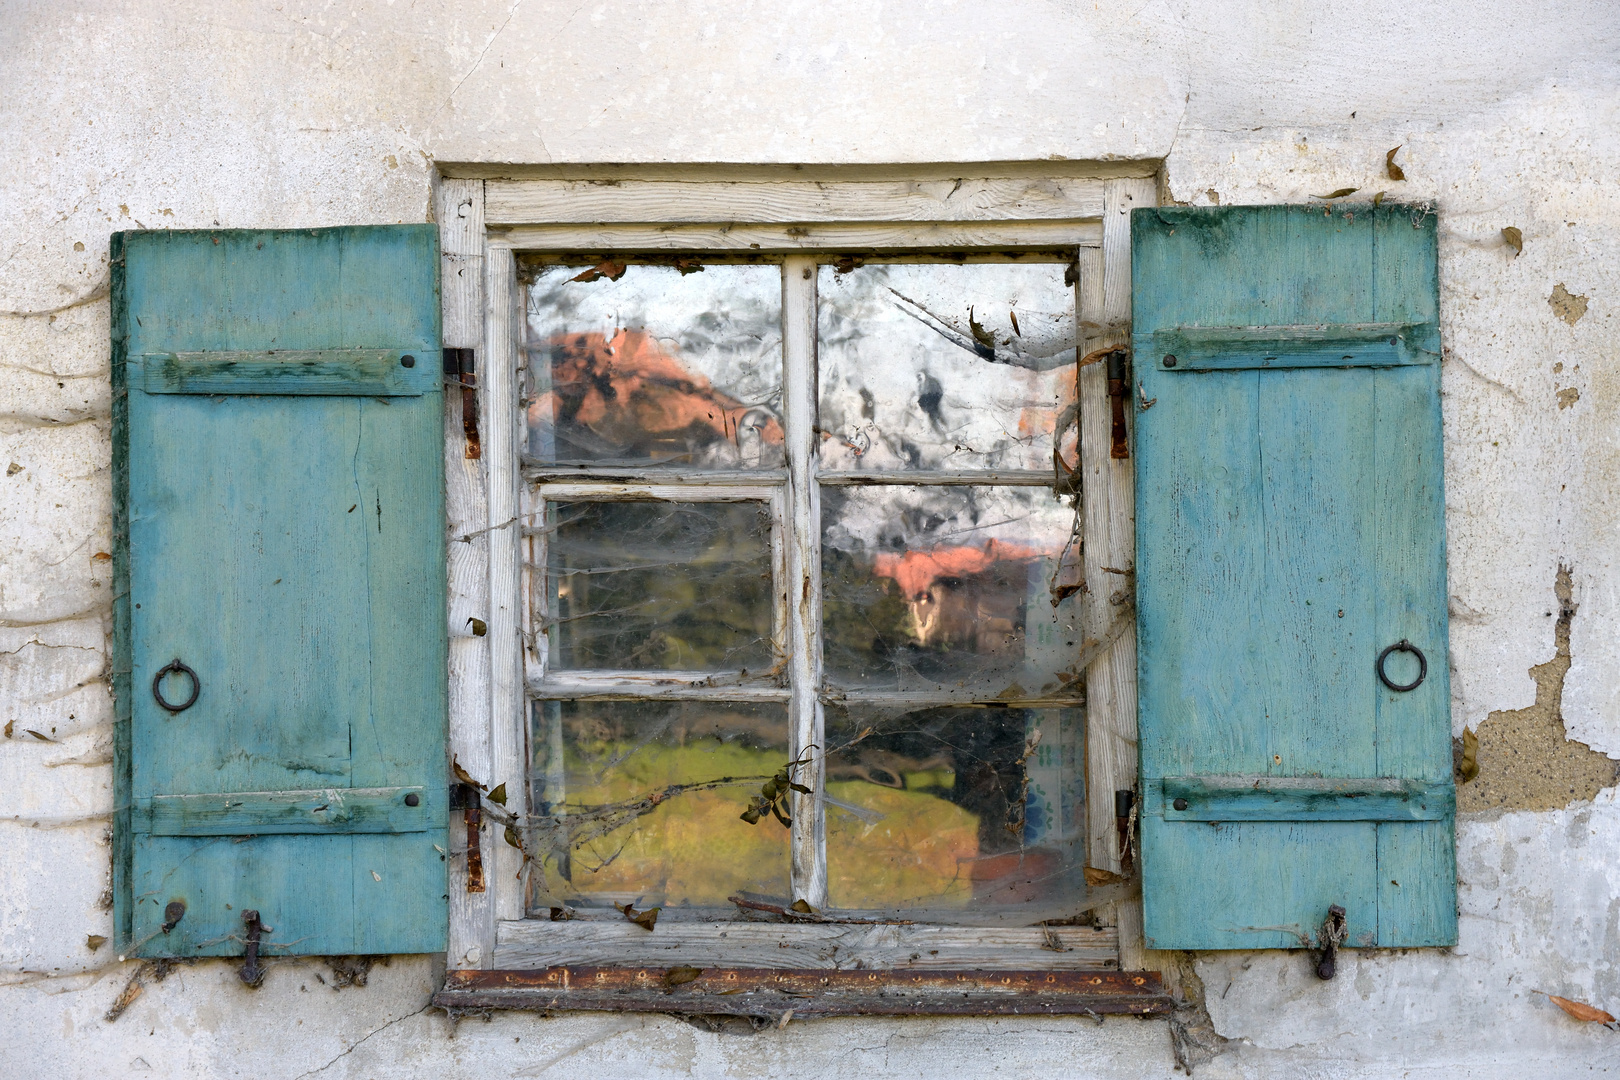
974	830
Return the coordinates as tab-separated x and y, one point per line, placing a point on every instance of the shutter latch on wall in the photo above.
252	974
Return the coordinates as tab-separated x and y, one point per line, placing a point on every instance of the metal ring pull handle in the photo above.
180	669
1423	666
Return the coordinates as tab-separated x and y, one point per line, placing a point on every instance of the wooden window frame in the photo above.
488	217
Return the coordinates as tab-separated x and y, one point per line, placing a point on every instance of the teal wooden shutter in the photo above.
278	489
1290	527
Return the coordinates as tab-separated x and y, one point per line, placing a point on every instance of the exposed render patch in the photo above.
1193	1037
1525	759
1566	305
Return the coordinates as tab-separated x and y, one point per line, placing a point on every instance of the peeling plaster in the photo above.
1526	759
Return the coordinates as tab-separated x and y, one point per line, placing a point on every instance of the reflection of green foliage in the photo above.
864	618
672	586
688	849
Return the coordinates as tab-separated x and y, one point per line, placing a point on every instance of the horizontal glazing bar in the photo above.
681	685
1009	478
536	472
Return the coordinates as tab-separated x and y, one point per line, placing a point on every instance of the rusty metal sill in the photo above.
768	993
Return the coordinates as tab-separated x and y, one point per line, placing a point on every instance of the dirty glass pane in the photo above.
638	803
948	589
944	366
660	585
962	810
665	365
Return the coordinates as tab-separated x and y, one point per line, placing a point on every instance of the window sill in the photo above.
772	993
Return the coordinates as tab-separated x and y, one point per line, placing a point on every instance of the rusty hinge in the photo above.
459	369
465	797
1119	394
1123	801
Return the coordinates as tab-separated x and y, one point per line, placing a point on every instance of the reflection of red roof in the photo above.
628	388
916	571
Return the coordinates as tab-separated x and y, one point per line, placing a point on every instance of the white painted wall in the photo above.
323	112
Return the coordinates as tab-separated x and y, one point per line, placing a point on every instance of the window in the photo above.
785	488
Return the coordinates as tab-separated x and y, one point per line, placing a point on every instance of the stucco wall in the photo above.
321	112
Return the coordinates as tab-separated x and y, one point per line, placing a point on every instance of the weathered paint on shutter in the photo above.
278	480
1290	526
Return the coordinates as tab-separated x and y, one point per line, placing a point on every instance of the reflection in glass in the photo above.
968	809
638	803
944	366
947	589
660	585
663	365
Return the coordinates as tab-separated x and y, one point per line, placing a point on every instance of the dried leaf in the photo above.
787	822
40	737
688	266
1468	765
751	815
1097	877
513	838
1378	198
95	941
681	974
802	907
1393	170
980	334
479	627
644	919
561	914
464	776
848	264
1514	239
801	789
1339	194
1013	315
611	269
498	795
1071	275
102	556
1579	1010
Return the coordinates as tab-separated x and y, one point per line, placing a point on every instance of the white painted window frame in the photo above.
487	216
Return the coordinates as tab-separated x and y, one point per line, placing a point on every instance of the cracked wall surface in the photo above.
323	112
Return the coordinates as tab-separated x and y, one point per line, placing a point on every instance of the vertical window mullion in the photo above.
803	581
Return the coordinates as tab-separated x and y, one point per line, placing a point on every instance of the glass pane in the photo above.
930	366
948	589
959	809
661	585
639	803
664	365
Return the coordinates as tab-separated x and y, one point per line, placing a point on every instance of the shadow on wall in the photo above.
1523	759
